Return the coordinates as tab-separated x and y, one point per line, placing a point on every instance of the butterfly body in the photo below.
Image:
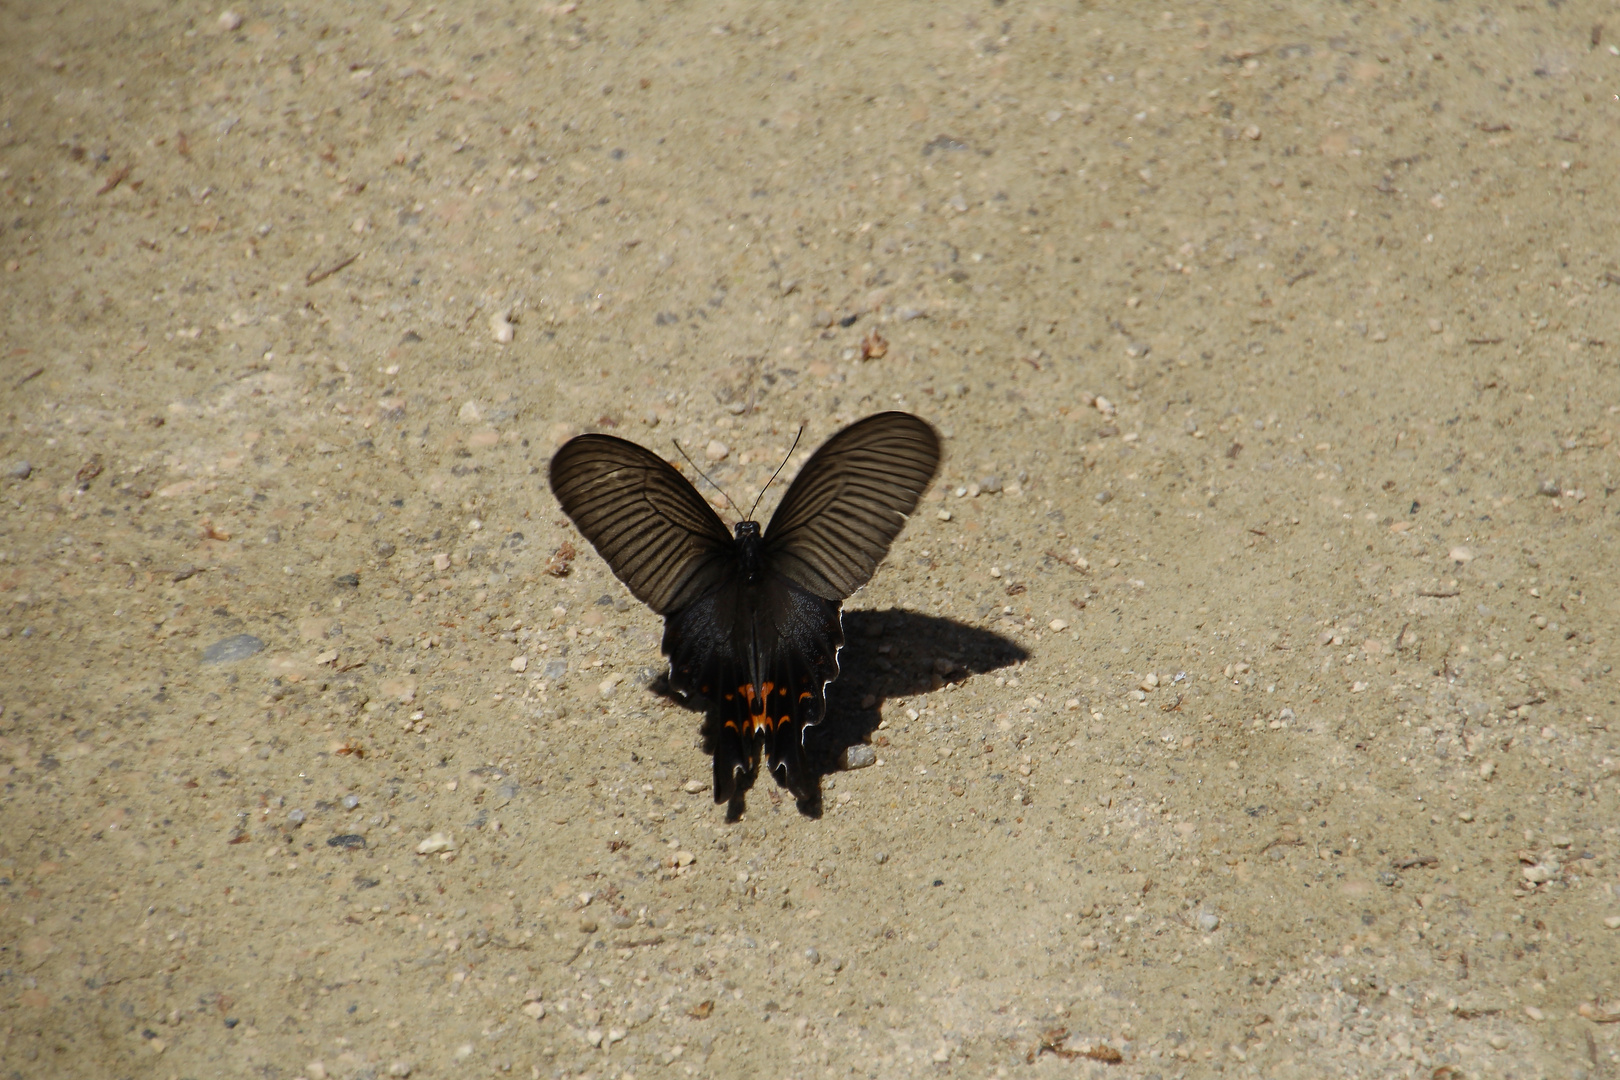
752	620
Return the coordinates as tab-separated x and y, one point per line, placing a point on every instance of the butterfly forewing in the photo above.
650	525
849	502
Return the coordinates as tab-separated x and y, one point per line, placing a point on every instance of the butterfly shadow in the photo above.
925	652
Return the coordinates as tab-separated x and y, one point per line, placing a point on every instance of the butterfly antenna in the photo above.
705	476
779	468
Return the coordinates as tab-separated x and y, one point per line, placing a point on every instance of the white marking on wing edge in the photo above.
804	729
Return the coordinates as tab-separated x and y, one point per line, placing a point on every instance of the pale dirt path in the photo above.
1344	280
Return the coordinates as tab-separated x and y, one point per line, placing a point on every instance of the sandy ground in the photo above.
1250	712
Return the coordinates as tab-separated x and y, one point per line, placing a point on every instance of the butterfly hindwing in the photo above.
761	658
850	501
651	526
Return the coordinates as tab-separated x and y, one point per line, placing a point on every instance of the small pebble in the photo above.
1612	922
534	1010
400	1068
350	802
1461	555
520	663
882	857
1058	624
716	450
990	485
944	515
21	470
1540	873
1208	921
435	844
812	955
555	669
229	20
692	787
296	817
228	650
1103	405
1487	770
500	328
1104	496
587	925
859	756
684	858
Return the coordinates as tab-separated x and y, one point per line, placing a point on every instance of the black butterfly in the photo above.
751	621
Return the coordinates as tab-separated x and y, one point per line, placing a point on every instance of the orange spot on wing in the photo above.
806	694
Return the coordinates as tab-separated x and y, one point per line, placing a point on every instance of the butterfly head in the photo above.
747	530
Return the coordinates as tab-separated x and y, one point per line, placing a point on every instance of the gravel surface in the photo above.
1239	701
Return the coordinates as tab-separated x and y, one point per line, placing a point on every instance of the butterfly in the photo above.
752	620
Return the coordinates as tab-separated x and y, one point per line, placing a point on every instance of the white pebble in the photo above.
520	663
1058	624
400	1068
1461	554
534	1010
684	858
859	756
1208	921
1487	770
1612	922
944	515
500	327
607	685
692	787
1104	406
436	843
716	450
229	20
1540	873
